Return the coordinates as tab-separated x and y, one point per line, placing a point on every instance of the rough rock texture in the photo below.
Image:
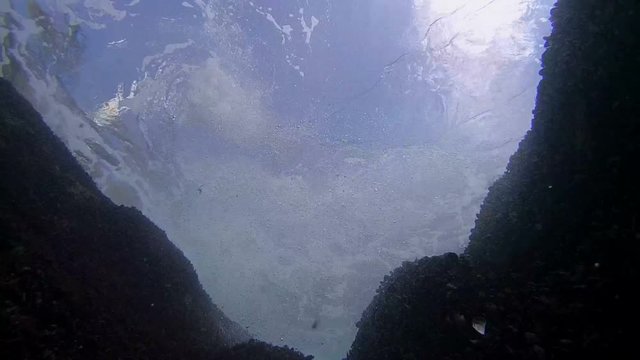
256	350
82	278
552	264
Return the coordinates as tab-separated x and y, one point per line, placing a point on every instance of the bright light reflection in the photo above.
477	23
474	39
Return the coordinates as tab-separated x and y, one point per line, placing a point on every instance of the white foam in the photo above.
104	8
117	43
168	49
285	30
308	30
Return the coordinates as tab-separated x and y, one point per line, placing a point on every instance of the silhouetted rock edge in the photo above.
552	263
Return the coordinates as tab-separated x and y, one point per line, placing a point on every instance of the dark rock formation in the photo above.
552	264
82	278
256	350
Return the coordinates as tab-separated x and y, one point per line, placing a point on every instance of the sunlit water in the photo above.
296	151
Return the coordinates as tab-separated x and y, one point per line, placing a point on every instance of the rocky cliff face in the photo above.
81	277
553	258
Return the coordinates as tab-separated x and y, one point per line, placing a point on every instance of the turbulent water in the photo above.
296	151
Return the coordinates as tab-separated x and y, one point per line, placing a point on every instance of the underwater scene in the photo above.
319	179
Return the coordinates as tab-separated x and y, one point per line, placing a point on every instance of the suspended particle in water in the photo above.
479	325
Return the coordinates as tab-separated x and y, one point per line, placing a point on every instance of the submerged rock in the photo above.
83	278
553	259
257	350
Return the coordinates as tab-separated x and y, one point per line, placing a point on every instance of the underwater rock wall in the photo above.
257	350
550	269
81	277
571	188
